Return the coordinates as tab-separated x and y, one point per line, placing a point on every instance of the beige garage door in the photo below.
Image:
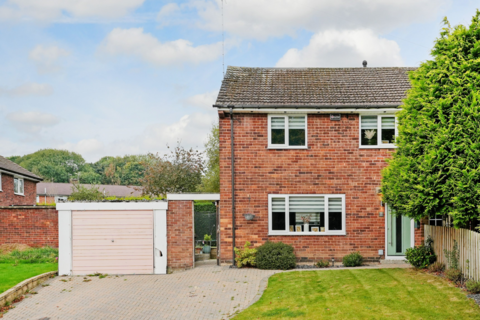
114	242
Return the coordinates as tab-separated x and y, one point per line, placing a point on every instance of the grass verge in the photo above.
361	294
11	275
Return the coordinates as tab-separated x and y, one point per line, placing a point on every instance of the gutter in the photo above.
233	184
20	175
312	110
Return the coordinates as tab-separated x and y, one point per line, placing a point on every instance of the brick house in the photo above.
311	142
17	184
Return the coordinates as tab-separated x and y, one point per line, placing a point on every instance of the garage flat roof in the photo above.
153	205
193	196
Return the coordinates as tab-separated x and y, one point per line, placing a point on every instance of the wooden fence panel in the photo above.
468	246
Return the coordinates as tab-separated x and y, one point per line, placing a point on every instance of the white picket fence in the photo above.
468	245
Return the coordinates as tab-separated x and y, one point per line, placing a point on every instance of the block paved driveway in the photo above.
207	292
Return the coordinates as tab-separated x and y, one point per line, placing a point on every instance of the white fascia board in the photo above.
193	196
372	110
79	206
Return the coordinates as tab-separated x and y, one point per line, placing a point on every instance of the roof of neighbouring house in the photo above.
312	87
65	189
11	167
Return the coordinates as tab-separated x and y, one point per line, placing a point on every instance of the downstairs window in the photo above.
306	214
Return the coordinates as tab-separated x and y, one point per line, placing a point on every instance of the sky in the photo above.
117	77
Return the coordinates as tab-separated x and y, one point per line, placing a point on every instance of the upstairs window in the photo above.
378	131
18	186
287	131
288	214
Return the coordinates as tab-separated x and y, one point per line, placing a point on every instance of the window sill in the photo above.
19	194
287	147
379	147
339	233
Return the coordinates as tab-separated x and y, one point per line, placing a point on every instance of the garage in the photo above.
112	242
113	238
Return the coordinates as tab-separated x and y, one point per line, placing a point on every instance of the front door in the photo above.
399	230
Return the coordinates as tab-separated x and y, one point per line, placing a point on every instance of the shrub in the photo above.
246	256
454	275
421	256
275	256
436	267
323	263
353	259
473	286
82	193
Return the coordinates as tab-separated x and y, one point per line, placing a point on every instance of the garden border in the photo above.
21	288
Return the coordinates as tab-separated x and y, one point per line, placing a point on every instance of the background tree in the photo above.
176	172
53	165
211	179
436	167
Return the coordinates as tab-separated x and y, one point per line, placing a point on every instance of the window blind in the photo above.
278	123
388	123
306	204
334	205
296	122
278	204
369	122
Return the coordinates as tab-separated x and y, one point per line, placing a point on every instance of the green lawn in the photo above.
361	294
10	275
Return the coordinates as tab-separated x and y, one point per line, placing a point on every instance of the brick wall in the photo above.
420	233
8	197
333	164
33	226
180	240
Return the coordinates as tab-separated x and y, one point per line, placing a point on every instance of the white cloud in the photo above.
261	19
167	11
191	130
203	100
344	49
28	89
49	10
134	42
46	58
32	121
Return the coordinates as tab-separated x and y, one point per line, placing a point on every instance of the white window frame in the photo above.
23	186
286	146
379	145
436	220
287	231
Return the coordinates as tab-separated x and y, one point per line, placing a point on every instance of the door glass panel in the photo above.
398	234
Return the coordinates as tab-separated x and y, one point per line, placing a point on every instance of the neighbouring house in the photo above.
51	192
309	144
17	184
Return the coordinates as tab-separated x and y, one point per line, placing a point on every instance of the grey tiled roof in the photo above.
310	87
12	167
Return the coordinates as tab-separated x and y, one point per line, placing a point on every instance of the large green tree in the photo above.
211	179
436	167
53	165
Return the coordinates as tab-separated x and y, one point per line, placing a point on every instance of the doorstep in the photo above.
392	261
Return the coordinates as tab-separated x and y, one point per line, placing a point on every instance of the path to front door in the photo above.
399	235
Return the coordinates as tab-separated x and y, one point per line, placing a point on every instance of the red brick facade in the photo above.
8	197
33	226
180	242
332	164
